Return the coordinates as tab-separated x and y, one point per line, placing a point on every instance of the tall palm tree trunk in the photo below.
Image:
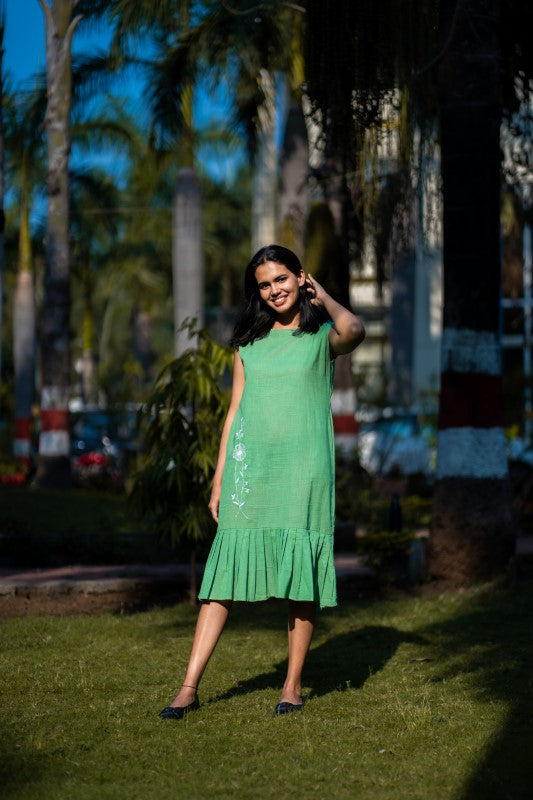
2	216
294	190
88	369
24	337
265	168
294	167
54	441
187	255
187	227
471	531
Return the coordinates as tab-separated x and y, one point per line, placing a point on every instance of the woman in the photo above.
273	488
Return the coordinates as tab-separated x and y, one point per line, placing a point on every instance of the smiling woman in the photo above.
273	488
280	290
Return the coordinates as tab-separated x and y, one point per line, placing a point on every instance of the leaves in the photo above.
180	425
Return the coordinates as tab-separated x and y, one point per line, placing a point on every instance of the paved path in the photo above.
90	588
95	578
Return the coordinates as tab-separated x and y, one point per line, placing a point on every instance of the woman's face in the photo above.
279	287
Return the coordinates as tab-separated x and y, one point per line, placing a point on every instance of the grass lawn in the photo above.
415	698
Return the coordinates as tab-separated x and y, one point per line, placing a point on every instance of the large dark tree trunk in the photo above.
54	442
471	532
2	217
294	188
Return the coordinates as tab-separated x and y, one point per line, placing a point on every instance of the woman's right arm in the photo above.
236	394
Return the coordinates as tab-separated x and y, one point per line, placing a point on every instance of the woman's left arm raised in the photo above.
348	331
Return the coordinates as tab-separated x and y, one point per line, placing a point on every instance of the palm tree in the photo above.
54	441
187	228
2	150
294	162
264	197
171	86
134	279
25	157
91	233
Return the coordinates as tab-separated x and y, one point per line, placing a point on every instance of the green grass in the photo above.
415	698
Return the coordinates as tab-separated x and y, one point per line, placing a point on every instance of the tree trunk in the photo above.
294	191
54	442
2	217
471	530
142	350
187	256
88	368
265	169
187	227
24	337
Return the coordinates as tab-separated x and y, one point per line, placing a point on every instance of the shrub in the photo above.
180	426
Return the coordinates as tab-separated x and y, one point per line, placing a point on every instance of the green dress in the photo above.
277	505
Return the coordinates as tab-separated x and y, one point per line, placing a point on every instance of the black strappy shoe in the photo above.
287	708
178	712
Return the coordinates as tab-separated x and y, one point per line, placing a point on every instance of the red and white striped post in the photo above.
54	437
472	532
22	440
471	511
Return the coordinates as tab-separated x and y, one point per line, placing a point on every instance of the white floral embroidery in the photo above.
239	453
238	497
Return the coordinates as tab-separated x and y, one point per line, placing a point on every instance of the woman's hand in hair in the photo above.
316	292
348	330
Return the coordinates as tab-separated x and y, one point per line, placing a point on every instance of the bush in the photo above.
180	426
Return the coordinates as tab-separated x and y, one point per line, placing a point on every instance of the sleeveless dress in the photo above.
277	505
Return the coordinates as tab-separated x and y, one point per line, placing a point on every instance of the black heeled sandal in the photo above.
287	708
178	712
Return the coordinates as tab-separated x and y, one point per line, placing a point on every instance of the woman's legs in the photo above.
211	620
301	625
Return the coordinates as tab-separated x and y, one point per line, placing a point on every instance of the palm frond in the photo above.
97	72
99	131
167	79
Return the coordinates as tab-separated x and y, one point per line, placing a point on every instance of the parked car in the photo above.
397	443
100	443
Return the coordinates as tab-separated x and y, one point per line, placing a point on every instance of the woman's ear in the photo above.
301	278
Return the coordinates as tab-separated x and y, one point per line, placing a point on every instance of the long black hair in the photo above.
256	318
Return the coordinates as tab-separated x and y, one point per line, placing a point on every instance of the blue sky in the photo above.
24	39
24	55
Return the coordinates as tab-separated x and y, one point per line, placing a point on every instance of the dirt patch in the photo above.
63	603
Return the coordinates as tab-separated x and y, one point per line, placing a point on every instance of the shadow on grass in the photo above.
19	768
491	643
341	662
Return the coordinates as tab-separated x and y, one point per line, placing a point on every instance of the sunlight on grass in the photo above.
418	698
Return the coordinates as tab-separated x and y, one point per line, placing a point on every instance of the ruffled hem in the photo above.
256	564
